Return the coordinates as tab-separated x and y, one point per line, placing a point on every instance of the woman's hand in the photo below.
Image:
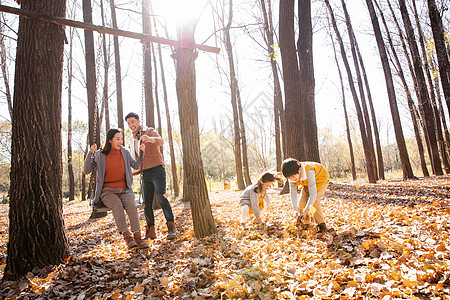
93	148
142	147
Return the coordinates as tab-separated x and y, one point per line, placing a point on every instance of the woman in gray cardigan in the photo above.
114	181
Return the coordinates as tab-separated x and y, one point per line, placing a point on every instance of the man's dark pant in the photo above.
154	180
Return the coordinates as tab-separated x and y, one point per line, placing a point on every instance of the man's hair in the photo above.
290	167
132	115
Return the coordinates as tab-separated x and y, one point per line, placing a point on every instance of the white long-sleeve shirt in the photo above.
311	177
251	198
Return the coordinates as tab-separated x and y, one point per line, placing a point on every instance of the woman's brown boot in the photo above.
150	232
141	244
129	239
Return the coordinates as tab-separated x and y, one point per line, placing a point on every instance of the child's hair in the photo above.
265	177
109	136
290	167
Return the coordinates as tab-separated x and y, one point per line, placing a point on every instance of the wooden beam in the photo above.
102	29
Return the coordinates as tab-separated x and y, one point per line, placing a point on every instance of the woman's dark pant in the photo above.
154	180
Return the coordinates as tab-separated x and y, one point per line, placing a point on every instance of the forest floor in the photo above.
388	240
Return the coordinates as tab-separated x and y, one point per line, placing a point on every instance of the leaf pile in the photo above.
386	241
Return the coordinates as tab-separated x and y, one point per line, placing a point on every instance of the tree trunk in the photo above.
234	88
411	105
292	90
120	119
69	119
444	143
347	126
441	49
307	82
194	185
408	95
91	79
437	123
105	98
176	188
277	95
5	71
353	43
372	114
424	100
35	211
371	173
147	76
247	179
158	111
404	157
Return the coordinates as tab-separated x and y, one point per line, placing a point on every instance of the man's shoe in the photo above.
171	231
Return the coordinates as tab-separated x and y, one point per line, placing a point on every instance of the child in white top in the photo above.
255	198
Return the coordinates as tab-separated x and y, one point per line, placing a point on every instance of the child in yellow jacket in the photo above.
313	178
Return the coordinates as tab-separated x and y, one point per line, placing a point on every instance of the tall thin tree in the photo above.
371	173
120	120
358	67
432	94
410	102
234	90
69	117
404	157
147	67
347	126
194	184
277	95
424	100
441	49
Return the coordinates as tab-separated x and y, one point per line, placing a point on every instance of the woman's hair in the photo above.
109	136
265	177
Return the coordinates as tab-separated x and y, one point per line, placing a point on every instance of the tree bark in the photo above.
404	157
307	82
120	119
424	100
234	88
408	94
147	76
292	90
69	119
347	126
194	185
371	173
441	49
35	211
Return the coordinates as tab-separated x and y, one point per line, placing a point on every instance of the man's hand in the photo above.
149	139
258	220
142	147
